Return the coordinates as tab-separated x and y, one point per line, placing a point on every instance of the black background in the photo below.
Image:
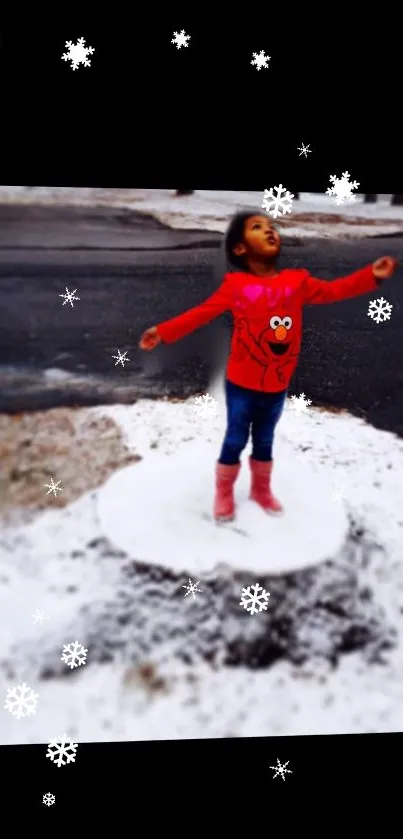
146	114
204	783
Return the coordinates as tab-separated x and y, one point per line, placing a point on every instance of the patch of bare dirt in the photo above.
74	446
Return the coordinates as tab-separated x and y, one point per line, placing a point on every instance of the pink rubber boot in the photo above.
260	486
224	505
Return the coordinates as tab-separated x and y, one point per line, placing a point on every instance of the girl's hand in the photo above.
150	339
384	267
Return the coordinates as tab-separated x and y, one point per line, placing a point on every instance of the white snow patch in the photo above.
36	571
160	510
55	374
282	701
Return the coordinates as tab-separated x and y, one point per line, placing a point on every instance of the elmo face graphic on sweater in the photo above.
263	329
277	338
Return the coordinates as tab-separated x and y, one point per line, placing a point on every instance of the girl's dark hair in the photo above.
234	236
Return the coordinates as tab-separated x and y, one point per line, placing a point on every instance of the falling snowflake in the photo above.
62	751
304	150
254	602
205	406
74	654
39	617
192	588
180	39
281	769
300	404
69	297
21	701
52	487
342	188
48	799
277	205
381	310
339	494
77	53
260	60
121	358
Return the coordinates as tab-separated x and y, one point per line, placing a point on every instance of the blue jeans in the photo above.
250	410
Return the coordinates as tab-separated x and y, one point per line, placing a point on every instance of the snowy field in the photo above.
315	214
148	675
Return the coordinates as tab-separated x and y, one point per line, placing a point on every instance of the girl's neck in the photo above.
262	269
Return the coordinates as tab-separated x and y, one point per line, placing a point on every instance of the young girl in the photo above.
266	304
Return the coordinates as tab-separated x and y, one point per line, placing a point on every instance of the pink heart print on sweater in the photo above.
253	292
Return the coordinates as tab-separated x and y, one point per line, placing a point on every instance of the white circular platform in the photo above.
159	511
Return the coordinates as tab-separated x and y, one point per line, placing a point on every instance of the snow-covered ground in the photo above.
141	517
54	564
315	214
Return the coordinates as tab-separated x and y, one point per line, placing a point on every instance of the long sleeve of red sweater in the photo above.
313	291
254	361
333	291
180	326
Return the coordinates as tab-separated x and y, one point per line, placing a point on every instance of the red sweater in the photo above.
267	320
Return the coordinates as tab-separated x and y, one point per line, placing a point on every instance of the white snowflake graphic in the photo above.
281	769
52	487
121	358
77	53
300	404
21	701
342	188
277	205
304	150
74	654
205	406
381	310
260	60
192	588
180	39
69	297
62	751
48	799
254	602
39	617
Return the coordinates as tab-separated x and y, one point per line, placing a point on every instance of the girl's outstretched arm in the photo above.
360	282
150	339
180	326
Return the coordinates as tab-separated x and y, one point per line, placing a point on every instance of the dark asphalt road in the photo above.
147	273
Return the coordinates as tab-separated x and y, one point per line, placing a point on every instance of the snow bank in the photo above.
315	214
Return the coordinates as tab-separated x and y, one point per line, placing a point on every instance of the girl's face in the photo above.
260	241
